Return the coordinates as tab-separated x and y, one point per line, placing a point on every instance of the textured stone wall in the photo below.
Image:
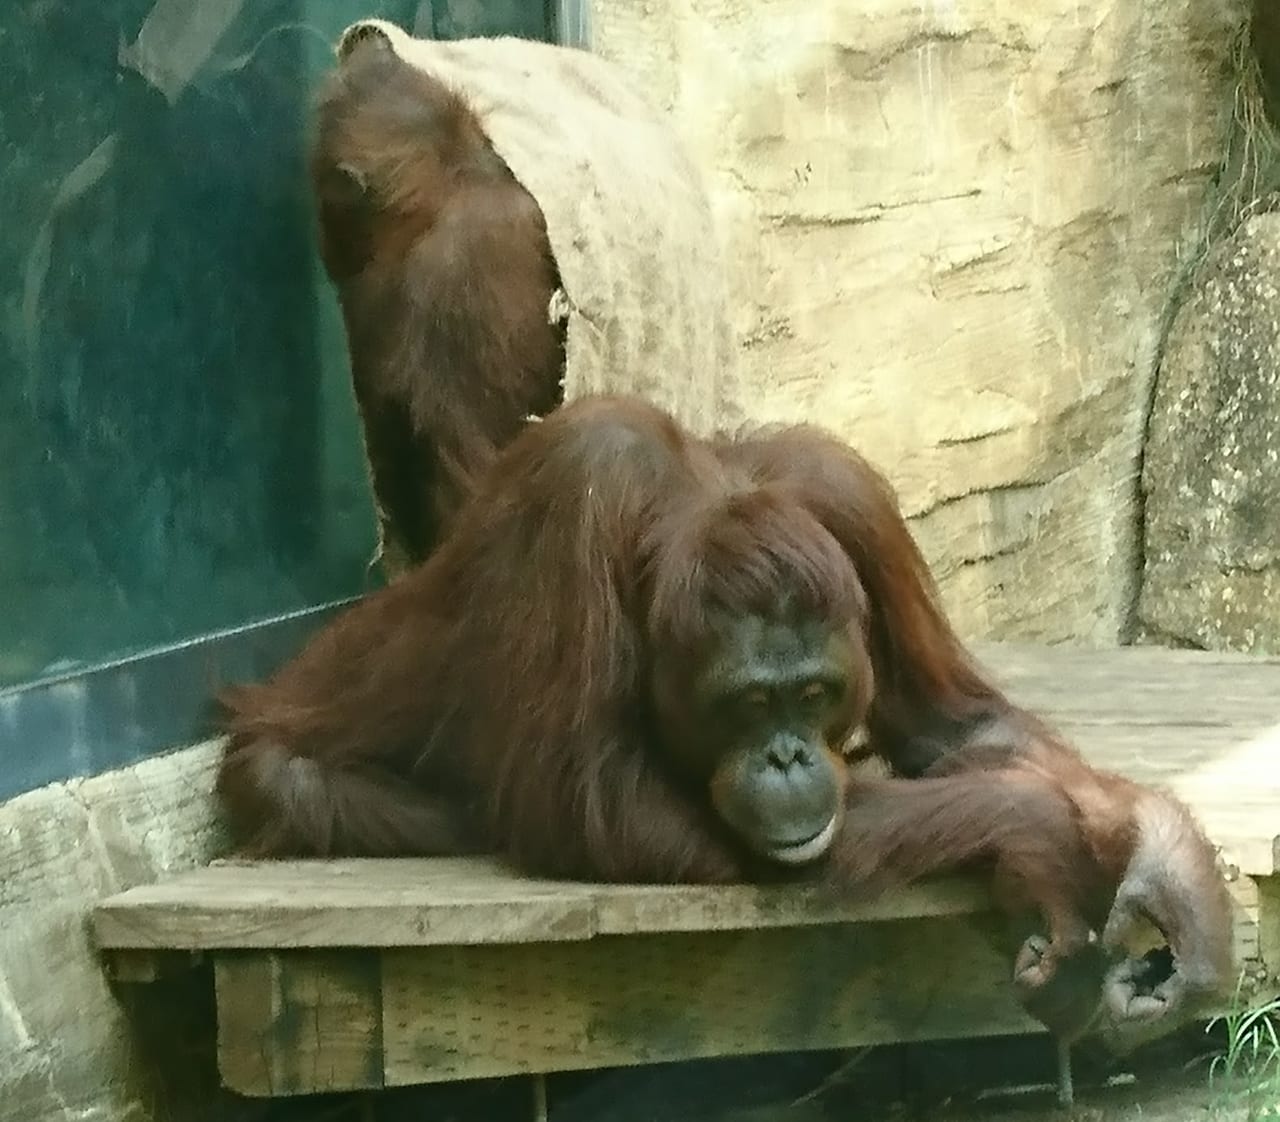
68	1050
1212	468
955	228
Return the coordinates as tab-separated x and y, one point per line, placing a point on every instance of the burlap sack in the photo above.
645	290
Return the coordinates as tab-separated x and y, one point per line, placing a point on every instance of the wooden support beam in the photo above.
299	1022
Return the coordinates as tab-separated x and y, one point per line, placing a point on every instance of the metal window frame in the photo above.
573	23
86	721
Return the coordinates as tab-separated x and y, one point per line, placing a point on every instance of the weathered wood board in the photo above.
294	1023
463	902
302	1020
1206	725
349	974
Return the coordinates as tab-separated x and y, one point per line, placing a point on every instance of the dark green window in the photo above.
178	448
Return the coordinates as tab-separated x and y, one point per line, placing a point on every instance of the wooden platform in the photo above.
343	975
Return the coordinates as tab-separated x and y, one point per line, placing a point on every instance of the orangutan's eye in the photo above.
754	701
821	694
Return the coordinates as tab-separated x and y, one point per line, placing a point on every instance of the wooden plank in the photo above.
1204	724
643	909
131	966
1253	857
1041	662
1246	942
1268	951
307	1021
389	903
472	1012
468	1012
343	903
304	1021
466	901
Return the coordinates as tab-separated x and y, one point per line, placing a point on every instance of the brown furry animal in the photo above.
638	656
445	278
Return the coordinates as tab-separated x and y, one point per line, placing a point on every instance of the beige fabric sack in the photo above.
645	290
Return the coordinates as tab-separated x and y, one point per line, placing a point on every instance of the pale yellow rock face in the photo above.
954	226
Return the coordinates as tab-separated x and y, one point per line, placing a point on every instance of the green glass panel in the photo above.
178	446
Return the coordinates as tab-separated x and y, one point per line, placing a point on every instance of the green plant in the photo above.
1247	1072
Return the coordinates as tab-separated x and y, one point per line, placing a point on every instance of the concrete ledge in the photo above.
67	1048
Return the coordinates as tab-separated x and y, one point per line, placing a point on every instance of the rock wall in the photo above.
1212	469
1266	49
68	1049
954	230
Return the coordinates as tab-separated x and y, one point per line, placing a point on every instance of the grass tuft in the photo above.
1246	1075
